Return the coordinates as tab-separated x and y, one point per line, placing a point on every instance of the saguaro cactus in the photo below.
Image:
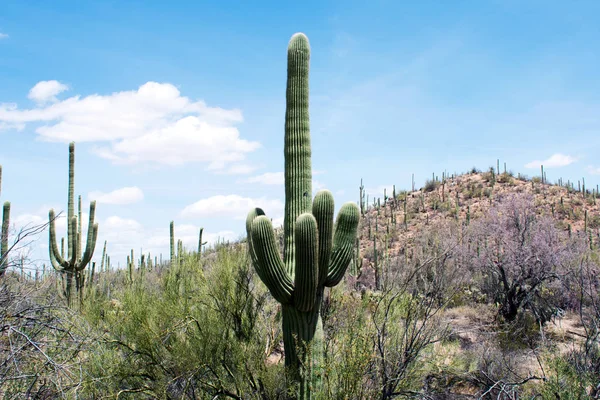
74	263
316	253
4	237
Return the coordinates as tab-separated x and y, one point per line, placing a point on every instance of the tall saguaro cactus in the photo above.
4	237
74	263
316	253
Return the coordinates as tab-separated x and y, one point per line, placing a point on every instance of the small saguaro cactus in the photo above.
75	262
316	253
200	242
4	237
172	241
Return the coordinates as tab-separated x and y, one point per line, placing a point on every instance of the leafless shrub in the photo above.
39	343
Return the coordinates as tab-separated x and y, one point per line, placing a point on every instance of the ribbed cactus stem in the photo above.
316	251
130	269
172	236
4	238
102	262
79	221
70	198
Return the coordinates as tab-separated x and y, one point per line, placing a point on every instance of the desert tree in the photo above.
518	254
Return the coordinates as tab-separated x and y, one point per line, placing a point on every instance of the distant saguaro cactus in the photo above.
4	237
316	253
74	263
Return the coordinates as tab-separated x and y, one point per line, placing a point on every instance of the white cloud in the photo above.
3	35
593	170
268	178
45	91
153	124
233	206
556	160
126	195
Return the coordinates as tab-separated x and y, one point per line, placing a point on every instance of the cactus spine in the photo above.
74	263
316	253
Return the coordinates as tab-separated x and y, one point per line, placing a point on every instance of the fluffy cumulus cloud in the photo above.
45	91
556	160
153	124
126	195
233	206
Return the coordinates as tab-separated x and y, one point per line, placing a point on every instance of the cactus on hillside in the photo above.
74	263
316	253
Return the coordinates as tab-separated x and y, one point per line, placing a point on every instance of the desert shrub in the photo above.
506	178
473	190
207	332
431	185
565	381
490	176
348	347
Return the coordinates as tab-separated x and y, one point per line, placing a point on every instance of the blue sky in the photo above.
177	110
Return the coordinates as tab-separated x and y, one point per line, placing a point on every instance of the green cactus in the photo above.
200	242
172	235
316	253
74	263
103	260
4	238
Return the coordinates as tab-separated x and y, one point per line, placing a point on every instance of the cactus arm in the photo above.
269	261
89	248
307	262
252	214
58	262
323	209
297	150
343	242
91	238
